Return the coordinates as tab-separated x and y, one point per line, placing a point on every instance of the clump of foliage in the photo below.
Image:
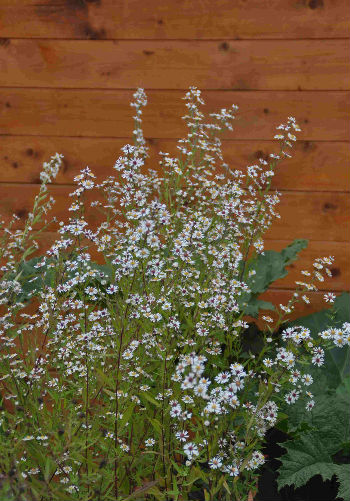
129	380
320	439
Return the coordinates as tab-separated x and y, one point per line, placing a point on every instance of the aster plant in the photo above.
128	379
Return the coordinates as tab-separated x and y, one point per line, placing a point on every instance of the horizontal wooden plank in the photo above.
314	165
316	216
172	20
67	112
242	65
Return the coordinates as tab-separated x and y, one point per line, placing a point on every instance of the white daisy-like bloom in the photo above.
307	379
182	435
329	297
150	442
213	407
309	405
232	470
215	463
268	362
191	450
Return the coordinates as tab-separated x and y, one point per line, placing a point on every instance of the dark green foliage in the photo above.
311	452
320	435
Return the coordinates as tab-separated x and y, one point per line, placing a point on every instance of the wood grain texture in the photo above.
154	19
311	168
314	216
235	65
101	113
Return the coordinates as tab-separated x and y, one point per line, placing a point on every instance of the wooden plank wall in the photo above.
68	69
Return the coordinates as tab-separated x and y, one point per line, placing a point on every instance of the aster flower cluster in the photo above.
216	405
130	373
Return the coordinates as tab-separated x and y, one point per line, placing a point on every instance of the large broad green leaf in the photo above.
343	475
105	271
330	418
27	272
254	305
311	453
316	322
304	459
343	389
333	378
269	267
308	456
301	464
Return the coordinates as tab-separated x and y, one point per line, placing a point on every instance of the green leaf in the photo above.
156	425
291	251
47	469
311	453
343	476
195	474
109	392
153	491
305	458
183	471
226	487
104	379
206	495
296	473
331	412
175	491
270	266
150	399
343	389
255	305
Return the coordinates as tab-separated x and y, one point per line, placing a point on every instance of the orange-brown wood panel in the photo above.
90	112
188	19
313	215
236	65
312	167
321	216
